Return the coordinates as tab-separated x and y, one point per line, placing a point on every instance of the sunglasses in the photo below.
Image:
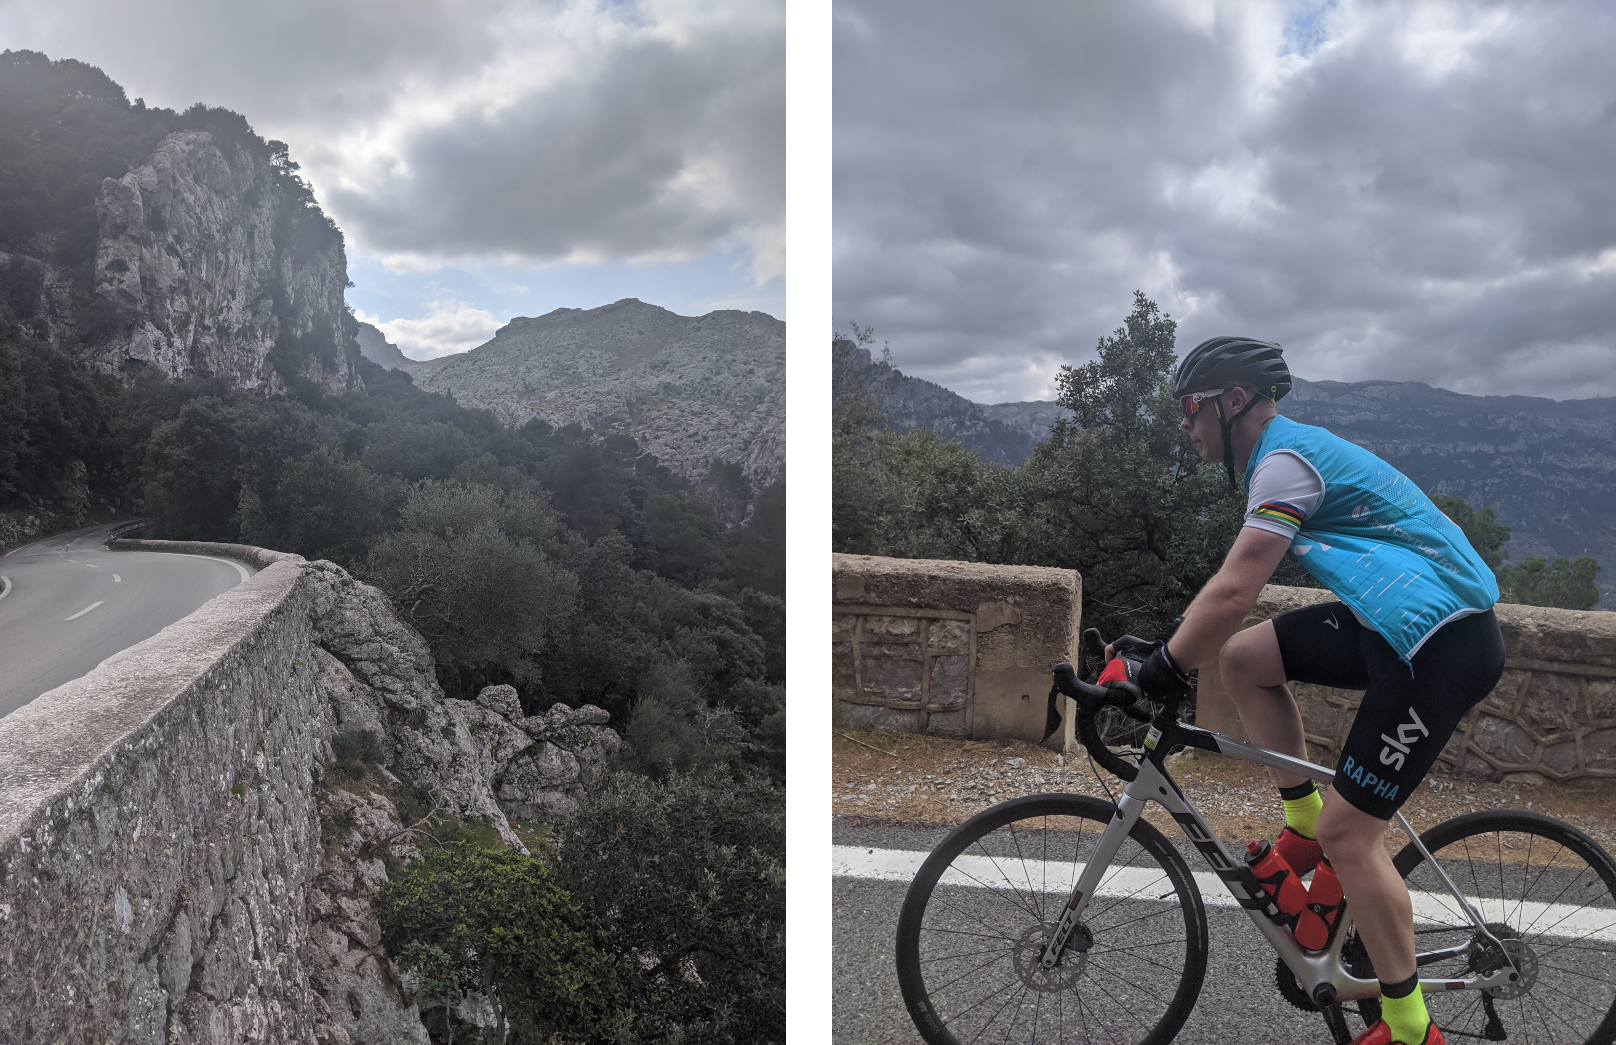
1192	403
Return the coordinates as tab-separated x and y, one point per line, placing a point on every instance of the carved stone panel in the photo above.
904	659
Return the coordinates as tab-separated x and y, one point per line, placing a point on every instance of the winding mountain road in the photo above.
67	603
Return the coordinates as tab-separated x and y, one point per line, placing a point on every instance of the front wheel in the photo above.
978	913
1547	892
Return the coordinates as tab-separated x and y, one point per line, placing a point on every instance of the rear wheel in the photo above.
976	918
1548	893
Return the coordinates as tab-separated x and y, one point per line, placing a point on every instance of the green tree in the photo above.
629	620
1120	493
1481	528
485	597
415	451
861	503
1562	583
191	474
322	507
758	551
673	730
475	919
687	877
684	537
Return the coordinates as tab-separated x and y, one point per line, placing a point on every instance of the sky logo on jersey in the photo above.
1407	735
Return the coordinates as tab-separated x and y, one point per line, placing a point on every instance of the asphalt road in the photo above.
1239	1002
67	604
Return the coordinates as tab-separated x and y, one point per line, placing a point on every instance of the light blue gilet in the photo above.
1378	542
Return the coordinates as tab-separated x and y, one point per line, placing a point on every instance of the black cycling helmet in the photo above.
1220	363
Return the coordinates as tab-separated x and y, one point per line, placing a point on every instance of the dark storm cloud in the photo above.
525	131
1418	192
673	146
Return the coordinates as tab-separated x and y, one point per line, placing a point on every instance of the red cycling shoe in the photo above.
1302	854
1380	1034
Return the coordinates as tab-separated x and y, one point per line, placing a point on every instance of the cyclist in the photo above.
1414	629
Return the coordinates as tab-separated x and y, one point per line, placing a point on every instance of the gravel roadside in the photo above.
923	780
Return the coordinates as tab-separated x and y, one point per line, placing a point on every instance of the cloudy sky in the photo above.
1400	190
489	159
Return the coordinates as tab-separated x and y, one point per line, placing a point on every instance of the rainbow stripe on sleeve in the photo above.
1280	512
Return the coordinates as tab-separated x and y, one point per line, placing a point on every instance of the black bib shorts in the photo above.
1406	716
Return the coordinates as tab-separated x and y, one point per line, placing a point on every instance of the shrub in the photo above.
687	876
471	918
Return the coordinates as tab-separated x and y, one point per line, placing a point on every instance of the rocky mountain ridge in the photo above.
690	389
374	346
1004	433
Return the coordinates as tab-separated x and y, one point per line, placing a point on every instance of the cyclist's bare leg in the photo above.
1378	899
1254	677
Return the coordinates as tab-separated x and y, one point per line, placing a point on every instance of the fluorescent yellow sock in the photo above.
1302	814
1405	1017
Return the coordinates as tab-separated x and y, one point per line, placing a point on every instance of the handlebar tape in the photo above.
1090	699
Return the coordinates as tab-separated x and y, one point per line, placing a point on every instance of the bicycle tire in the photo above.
979	882
1537	881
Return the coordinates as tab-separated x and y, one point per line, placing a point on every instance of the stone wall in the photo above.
1552	715
954	648
177	865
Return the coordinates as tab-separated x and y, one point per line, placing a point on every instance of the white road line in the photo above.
85	610
116	579
92	566
985	872
5	587
246	574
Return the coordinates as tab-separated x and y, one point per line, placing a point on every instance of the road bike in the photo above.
1065	918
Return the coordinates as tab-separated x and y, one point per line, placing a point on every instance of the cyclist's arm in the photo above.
1218	610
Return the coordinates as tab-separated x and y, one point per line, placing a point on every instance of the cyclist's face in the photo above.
1203	430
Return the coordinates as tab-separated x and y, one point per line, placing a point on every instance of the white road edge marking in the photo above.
5	587
82	612
116	579
984	872
246	574
92	566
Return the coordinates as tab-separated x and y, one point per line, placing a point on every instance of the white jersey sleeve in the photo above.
1285	489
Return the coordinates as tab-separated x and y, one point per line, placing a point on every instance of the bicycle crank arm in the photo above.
1128	810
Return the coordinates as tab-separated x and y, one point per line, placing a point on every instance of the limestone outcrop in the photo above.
569	750
214	266
691	390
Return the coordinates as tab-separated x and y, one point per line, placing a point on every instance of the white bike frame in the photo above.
1312	970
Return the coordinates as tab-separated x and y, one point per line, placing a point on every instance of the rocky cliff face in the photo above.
216	270
692	390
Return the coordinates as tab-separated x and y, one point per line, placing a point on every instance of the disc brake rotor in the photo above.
1030	948
1520	953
